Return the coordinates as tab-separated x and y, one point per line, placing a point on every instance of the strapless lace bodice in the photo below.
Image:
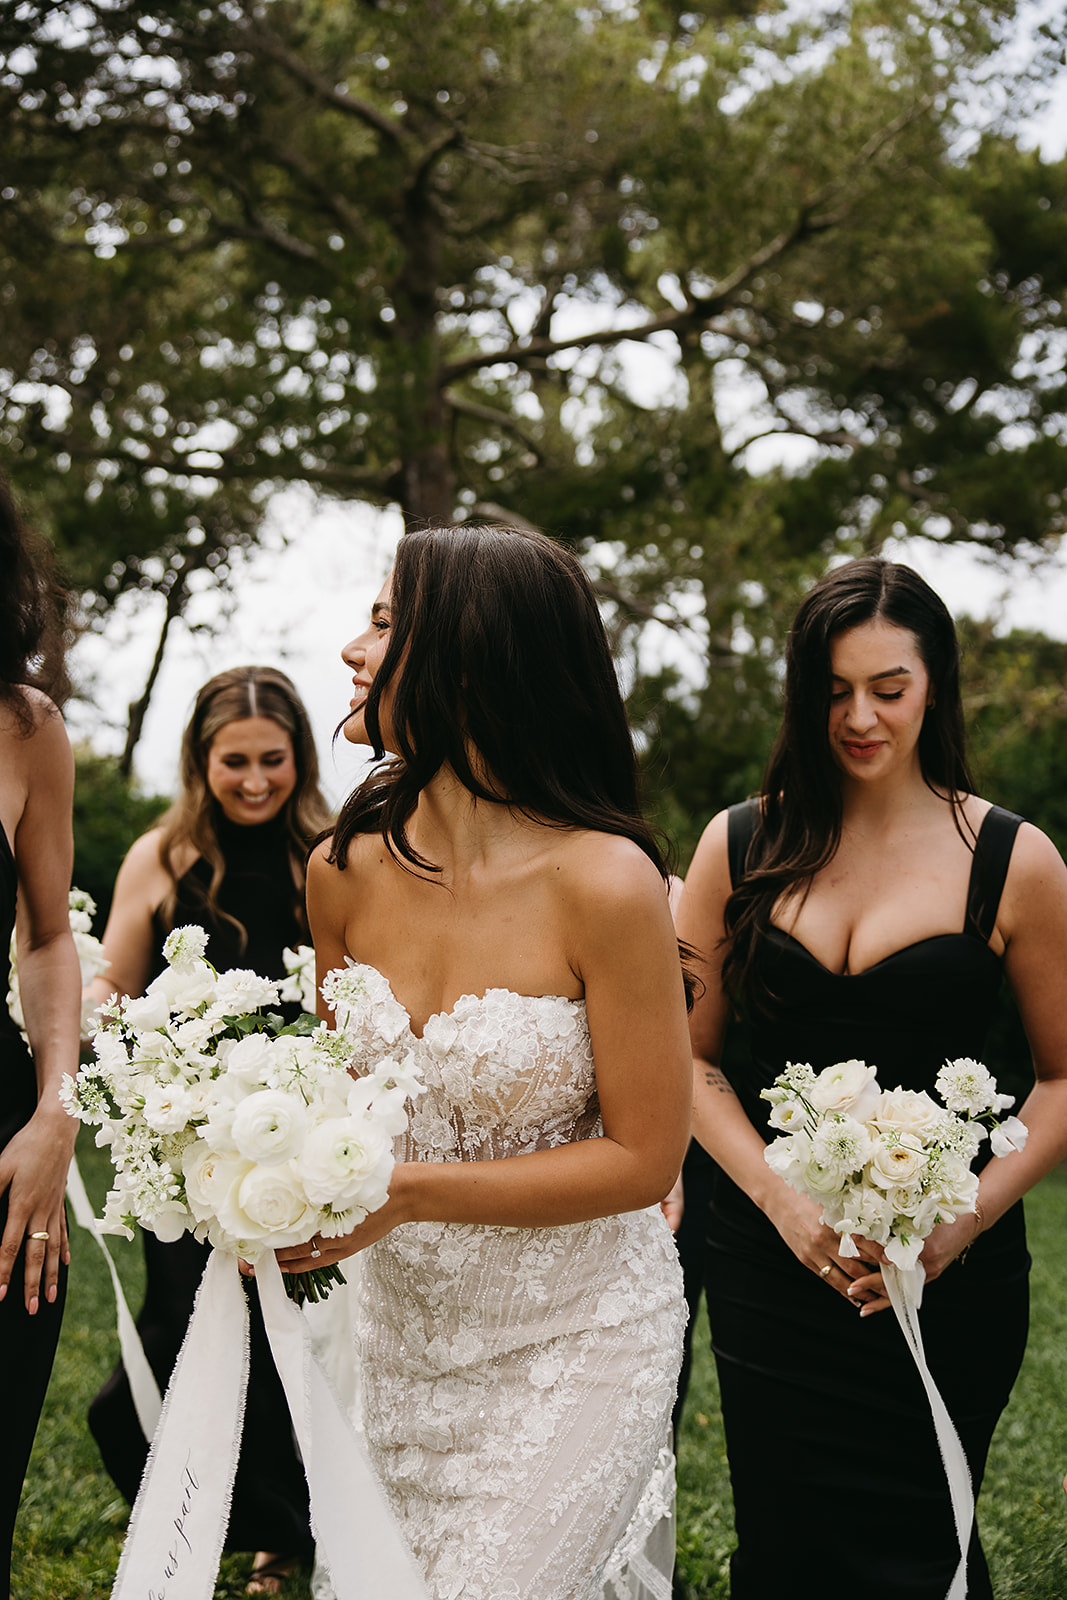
505	1073
518	1381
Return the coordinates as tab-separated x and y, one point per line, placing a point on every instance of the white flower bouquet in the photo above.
226	1122
888	1165
91	958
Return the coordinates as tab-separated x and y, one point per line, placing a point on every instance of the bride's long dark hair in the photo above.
799	828
497	667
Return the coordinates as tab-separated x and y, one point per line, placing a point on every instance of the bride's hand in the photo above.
799	1221
320	1252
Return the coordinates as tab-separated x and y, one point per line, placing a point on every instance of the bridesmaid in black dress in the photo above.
864	907
36	1135
229	856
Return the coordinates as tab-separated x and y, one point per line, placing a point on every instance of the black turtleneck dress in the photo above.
269	1510
27	1344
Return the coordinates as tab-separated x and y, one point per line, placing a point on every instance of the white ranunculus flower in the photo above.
850	1086
820	1180
183	947
268	1206
269	1126
239	991
345	1161
908	1111
895	1166
1010	1135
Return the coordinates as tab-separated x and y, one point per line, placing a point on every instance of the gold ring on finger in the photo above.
42	1235
824	1272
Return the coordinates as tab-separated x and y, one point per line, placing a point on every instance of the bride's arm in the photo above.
720	1123
624	951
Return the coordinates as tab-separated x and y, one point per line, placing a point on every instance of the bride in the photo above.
503	903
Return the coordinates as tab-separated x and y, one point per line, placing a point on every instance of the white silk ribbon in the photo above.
179	1520
905	1290
358	1539
143	1385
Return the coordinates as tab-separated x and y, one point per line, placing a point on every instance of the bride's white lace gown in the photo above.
518	1382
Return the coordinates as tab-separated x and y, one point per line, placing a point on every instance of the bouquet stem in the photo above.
314	1285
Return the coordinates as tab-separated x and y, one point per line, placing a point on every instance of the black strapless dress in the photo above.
269	1510
838	1484
27	1344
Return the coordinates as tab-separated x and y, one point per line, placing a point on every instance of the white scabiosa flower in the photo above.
967	1087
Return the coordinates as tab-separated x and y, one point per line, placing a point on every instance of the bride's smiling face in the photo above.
364	654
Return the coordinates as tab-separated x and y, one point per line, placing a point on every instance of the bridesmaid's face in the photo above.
364	655
878	699
251	769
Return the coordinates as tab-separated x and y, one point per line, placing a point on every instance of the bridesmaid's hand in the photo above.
799	1221
947	1241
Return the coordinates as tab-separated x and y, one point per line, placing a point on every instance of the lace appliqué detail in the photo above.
518	1382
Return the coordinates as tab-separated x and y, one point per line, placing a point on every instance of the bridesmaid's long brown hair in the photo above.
800	822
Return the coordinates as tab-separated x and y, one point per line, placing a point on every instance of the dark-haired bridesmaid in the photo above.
864	906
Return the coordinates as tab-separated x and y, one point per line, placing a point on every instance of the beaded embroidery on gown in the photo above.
518	1382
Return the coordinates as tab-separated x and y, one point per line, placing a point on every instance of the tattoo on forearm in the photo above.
715	1078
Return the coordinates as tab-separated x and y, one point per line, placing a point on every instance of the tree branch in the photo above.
702	309
495	419
269	45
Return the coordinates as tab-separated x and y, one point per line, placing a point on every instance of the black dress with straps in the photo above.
269	1510
27	1344
838	1483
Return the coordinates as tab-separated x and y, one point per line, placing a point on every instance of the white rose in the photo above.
846	1086
209	1178
908	1111
239	991
148	1013
1010	1135
186	987
268	1204
269	1126
250	1059
344	1161
895	1165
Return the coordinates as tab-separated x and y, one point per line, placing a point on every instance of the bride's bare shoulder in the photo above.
607	873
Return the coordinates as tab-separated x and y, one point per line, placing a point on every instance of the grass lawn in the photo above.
72	1519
